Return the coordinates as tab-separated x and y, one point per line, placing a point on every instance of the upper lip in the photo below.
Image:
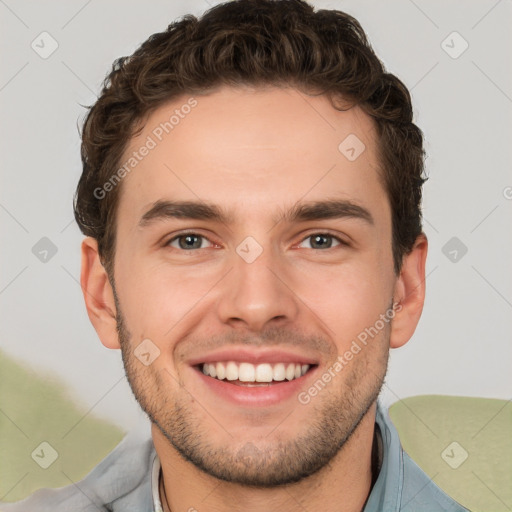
246	355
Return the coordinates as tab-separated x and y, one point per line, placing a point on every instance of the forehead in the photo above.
243	147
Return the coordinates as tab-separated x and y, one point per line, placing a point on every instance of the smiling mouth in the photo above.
252	375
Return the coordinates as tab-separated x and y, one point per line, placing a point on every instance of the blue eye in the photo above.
322	240
187	241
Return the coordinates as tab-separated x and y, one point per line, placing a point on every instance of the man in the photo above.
251	196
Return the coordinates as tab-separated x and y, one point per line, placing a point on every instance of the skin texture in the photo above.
256	153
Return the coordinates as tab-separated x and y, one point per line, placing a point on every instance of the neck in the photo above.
342	486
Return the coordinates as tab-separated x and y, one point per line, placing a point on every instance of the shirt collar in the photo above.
385	494
155	488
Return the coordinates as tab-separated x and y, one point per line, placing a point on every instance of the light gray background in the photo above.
462	345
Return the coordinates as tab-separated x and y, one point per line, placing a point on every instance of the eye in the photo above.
191	241
187	241
322	241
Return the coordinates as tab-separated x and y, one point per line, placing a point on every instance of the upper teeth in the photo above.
247	372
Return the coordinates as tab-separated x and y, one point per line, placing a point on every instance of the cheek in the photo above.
156	297
348	300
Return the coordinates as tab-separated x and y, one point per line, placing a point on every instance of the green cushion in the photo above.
35	409
464	444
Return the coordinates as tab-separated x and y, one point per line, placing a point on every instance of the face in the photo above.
253	253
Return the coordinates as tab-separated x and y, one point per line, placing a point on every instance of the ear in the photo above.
98	294
409	295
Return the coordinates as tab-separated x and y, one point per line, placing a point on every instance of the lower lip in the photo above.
262	396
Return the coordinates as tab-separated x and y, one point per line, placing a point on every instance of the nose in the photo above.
257	294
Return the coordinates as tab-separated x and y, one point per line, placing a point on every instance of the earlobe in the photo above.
409	295
98	294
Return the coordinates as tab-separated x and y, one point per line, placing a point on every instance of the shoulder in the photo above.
121	481
420	493
402	485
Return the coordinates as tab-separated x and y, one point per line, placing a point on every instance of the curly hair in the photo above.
258	43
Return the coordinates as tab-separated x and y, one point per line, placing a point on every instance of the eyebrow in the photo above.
300	212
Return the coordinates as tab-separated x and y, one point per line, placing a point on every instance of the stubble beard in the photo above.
270	462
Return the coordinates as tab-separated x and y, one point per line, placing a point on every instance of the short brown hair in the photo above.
251	42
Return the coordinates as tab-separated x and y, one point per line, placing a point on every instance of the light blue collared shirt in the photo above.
127	481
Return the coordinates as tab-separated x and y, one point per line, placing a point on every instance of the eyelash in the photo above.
322	233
